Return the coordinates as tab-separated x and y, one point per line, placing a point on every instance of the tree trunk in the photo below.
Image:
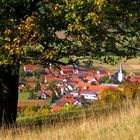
9	77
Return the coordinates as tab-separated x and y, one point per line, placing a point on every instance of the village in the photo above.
70	85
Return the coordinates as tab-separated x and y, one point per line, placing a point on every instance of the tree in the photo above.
106	29
53	97
29	32
17	29
37	86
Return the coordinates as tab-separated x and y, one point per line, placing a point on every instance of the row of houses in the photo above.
74	85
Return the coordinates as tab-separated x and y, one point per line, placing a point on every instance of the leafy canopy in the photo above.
48	30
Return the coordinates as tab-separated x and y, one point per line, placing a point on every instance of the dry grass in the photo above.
124	125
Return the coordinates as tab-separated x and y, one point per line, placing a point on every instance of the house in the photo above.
50	78
44	94
135	79
30	67
31	85
74	93
43	87
65	100
90	95
21	88
83	85
66	70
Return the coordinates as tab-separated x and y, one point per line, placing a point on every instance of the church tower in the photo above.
120	74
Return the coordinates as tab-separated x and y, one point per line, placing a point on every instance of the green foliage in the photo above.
88	64
23	96
30	110
105	30
21	74
131	91
53	98
52	86
97	110
68	107
125	91
37	86
32	95
38	72
104	80
111	96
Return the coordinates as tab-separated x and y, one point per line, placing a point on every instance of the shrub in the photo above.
111	95
32	95
43	111
29	111
127	91
104	80
130	90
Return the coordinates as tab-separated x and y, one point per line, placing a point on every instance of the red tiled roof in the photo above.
75	79
31	84
82	84
65	67
135	79
60	86
67	99
56	108
67	71
50	78
43	87
30	67
89	78
97	87
50	92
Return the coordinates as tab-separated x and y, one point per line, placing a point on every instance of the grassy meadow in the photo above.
121	125
23	96
132	65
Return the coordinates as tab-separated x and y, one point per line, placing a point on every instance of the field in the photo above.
122	125
23	96
22	103
132	65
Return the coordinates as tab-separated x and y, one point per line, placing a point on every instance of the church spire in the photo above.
120	74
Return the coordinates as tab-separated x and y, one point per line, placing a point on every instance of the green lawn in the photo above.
23	96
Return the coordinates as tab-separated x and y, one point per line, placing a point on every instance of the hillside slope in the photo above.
123	125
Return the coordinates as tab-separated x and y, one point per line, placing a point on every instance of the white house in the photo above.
90	95
74	93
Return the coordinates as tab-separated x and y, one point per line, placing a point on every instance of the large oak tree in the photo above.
100	29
